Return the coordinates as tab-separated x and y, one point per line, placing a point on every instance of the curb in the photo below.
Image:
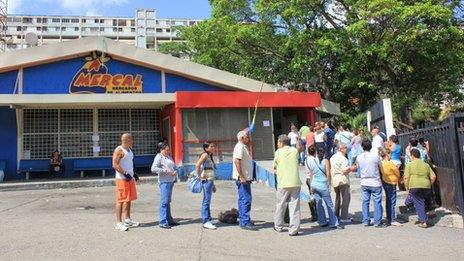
63	184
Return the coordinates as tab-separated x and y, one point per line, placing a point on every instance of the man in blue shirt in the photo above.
330	134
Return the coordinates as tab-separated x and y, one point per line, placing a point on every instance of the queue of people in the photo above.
329	159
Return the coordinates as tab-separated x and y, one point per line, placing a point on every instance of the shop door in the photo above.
167	130
263	136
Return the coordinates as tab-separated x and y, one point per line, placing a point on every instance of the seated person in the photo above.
56	165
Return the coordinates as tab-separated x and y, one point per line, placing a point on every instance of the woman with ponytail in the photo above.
164	166
318	169
204	168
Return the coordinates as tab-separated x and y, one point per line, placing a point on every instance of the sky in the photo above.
195	9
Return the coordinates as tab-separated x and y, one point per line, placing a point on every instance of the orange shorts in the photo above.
125	190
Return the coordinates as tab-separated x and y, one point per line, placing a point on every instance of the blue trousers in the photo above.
244	202
206	203
165	217
320	196
418	196
390	201
376	193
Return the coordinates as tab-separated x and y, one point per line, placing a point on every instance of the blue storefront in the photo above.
79	96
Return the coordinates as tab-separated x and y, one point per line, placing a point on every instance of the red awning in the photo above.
226	99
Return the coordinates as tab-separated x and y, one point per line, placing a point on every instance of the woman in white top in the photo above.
164	166
319	137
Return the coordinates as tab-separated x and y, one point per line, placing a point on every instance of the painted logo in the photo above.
94	77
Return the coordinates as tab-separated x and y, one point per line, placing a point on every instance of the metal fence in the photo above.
446	140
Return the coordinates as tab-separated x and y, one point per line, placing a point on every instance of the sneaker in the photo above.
165	226
293	234
324	225
209	225
337	227
121	227
396	224
346	220
247	227
278	229
423	225
131	223
381	225
367	224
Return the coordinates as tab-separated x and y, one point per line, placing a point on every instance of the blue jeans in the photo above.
303	152
324	195
205	205
165	217
376	193
244	202
419	196
390	201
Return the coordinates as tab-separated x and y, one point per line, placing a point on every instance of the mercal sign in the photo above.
94	77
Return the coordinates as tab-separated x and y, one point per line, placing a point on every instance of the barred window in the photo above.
217	126
40	133
142	123
70	131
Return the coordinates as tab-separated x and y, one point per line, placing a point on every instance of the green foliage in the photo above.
353	52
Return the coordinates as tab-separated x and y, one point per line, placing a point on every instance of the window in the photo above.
63	29
218	126
97	21
71	130
44	20
84	20
39	20
102	29
39	28
142	123
76	29
133	30
168	30
18	28
102	21
75	21
27	20
44	29
55	20
65	20
159	30
115	29
120	29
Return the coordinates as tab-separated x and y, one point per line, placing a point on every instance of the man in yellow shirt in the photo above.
390	178
288	186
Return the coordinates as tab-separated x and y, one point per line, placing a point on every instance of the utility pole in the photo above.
3	14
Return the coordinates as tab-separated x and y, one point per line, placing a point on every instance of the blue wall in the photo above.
54	78
178	83
8	139
7	82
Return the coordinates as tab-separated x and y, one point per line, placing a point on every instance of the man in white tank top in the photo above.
125	182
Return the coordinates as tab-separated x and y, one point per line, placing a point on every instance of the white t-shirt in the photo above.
126	163
377	142
241	152
319	136
293	137
369	164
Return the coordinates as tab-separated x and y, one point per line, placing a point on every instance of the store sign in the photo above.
95	77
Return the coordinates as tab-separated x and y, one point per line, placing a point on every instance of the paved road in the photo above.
78	224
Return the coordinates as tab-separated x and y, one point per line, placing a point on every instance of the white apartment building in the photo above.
144	30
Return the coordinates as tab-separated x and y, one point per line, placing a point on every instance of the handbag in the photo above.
194	183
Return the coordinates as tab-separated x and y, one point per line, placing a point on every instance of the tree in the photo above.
351	51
